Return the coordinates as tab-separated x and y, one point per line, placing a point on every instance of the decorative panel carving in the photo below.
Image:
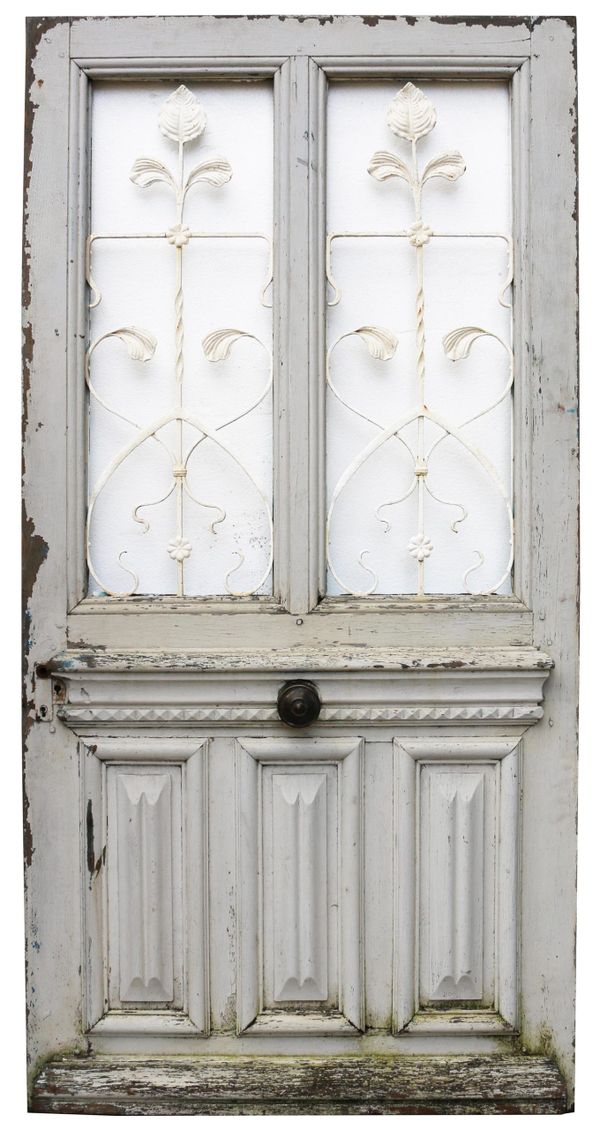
456	834
144	803
144	886
298	887
457	839
297	858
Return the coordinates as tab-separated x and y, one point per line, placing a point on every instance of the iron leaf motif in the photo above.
217	345
147	170
458	343
451	166
215	171
140	344
181	117
380	343
383	165
411	115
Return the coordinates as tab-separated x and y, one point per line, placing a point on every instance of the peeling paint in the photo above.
94	865
34	548
36	28
347	1084
28	847
484	21
372	21
89	838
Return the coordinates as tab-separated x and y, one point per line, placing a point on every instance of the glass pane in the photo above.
180	361
419	405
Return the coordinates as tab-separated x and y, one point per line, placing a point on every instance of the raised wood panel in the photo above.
296	894
456	884
145	903
144	886
456	818
299	817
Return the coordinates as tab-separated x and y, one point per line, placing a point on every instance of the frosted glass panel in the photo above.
419	339
180	450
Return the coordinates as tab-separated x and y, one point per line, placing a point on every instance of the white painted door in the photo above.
292	640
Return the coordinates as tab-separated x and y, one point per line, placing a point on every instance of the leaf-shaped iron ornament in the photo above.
458	343
215	171
383	165
147	170
140	344
181	117
411	115
380	343
217	345
451	166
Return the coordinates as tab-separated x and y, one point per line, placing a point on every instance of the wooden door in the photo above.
300	693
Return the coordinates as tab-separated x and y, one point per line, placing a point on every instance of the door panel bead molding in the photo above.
410	117
182	120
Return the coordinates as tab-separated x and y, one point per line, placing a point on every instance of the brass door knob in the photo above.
298	703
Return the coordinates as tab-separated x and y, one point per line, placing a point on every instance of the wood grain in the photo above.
301	1085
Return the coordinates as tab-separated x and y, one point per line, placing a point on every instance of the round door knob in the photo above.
298	703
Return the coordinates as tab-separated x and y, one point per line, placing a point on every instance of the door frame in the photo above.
514	640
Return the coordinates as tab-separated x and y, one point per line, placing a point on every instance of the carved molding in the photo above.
448	690
528	713
151	715
75	716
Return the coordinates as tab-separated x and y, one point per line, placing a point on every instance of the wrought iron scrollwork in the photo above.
411	117
182	120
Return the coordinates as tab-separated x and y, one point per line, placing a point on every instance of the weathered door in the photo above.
301	583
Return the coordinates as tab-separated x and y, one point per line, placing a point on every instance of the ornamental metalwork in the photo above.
410	117
182	120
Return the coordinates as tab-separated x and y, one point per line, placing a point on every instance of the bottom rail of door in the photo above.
380	1084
